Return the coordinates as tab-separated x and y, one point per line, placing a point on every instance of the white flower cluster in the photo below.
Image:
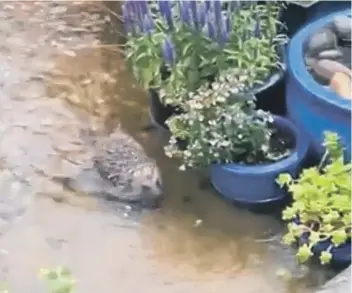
220	124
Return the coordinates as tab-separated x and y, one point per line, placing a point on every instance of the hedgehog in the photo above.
120	170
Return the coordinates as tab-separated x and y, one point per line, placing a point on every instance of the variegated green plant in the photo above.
221	125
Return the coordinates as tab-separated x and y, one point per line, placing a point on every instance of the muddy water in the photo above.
56	80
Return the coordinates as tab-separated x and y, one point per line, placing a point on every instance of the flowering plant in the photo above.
177	46
221	125
321	208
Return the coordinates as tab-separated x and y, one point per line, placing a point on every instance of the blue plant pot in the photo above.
323	8
255	184
312	107
341	255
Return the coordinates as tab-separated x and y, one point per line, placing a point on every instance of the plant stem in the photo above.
323	161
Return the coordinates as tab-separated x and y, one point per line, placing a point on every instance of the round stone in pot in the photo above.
343	27
333	54
322	40
326	69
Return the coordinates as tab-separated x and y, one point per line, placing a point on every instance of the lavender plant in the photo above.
178	46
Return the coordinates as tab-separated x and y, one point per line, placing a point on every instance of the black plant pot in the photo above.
159	112
293	17
270	95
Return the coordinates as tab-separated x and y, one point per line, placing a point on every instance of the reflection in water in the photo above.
67	87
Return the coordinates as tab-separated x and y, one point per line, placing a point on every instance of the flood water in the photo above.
56	80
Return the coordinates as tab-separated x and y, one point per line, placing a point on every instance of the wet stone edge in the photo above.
339	284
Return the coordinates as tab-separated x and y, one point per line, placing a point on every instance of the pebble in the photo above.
322	40
330	54
341	84
343	27
310	61
198	223
326	68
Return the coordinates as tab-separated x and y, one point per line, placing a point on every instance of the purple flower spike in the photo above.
193	7
218	13
184	12
131	7
126	18
235	5
201	15
143	7
148	24
257	29
168	50
130	16
135	13
225	31
211	29
207	5
165	10
228	24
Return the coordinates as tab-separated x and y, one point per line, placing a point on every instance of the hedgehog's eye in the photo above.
158	183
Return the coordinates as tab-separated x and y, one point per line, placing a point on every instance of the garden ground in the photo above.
53	84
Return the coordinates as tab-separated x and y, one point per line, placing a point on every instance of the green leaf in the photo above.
335	215
310	174
284	179
289	239
314	238
288	214
147	76
339	237
346	219
342	202
207	71
304	253
187	49
297	191
327	228
142	58
325	257
129	55
327	219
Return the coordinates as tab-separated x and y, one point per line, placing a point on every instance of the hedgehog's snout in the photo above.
150	182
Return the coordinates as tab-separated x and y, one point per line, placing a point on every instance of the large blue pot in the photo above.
341	255
312	107
323	8
295	16
254	184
